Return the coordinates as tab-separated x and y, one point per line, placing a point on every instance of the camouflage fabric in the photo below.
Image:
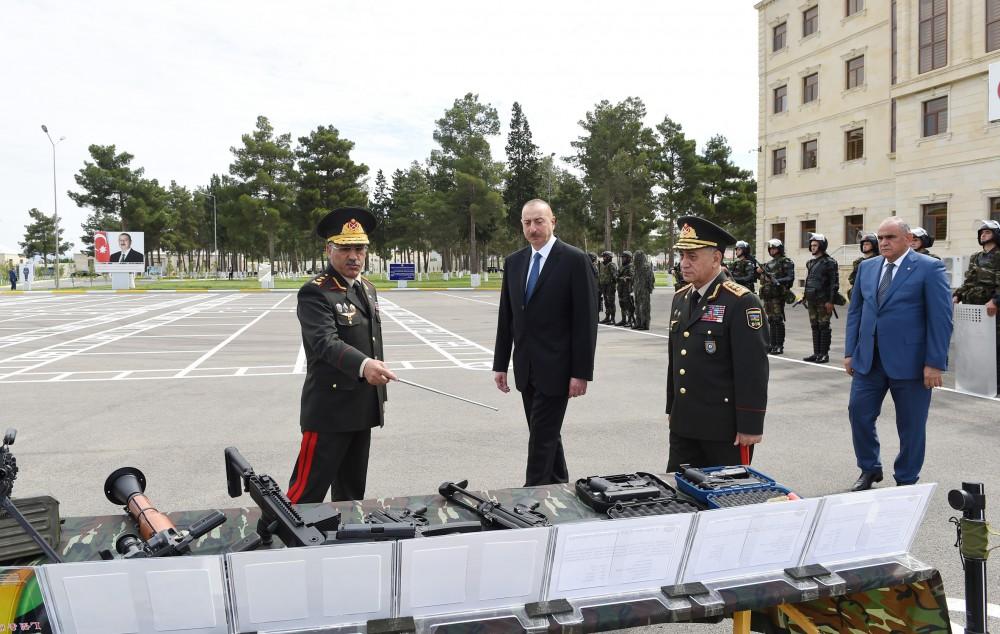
607	276
982	278
744	272
854	272
607	273
886	598
817	313
928	253
644	282
625	278
775	309
678	278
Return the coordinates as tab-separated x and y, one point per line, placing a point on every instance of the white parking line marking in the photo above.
300	361
444	341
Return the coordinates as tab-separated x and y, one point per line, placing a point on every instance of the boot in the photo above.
778	333
772	331
815	333
825	338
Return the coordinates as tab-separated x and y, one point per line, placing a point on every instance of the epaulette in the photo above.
734	288
367	281
328	281
318	280
685	288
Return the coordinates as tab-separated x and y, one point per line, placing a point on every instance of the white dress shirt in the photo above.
545	250
895	269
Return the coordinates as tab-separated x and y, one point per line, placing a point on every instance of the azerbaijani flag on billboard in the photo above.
101	251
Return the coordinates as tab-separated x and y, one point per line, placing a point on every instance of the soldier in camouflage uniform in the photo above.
593	265
869	240
625	300
822	284
776	279
982	279
678	278
922	241
607	276
643	283
744	268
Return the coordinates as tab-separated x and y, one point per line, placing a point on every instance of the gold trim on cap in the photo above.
351	233
689	239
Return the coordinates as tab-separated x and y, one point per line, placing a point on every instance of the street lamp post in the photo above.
55	198
215	226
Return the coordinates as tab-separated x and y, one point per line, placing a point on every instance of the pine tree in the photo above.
39	237
523	175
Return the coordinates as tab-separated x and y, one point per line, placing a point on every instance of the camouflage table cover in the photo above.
888	598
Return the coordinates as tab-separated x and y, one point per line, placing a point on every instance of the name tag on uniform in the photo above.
713	313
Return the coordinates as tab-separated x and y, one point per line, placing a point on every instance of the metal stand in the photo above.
971	500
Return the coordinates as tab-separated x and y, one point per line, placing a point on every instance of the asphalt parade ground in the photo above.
166	381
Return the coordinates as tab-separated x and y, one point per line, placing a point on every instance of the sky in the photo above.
176	83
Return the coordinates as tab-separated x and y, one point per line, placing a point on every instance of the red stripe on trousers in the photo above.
306	452
745	454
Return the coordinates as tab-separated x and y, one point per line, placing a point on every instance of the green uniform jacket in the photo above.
339	332
717	376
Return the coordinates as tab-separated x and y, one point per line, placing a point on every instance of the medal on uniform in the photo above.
347	311
714	313
710	346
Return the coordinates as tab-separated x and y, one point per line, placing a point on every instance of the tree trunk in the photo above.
607	227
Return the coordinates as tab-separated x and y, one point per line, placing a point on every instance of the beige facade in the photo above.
944	171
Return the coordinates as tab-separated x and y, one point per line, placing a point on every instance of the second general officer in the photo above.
718	368
344	394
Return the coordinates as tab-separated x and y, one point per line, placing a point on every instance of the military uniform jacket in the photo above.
718	368
822	279
340	329
607	274
982	278
781	275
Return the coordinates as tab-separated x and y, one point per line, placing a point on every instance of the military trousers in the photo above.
330	461
705	453
817	314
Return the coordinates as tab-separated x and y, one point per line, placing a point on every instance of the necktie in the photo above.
695	298
536	264
883	286
359	295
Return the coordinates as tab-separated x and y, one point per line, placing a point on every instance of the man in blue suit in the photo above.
898	329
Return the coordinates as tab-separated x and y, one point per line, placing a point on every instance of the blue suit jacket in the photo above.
913	324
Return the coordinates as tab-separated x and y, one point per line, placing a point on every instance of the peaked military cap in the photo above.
347	226
698	233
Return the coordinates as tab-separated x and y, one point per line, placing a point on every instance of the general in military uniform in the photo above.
607	277
821	293
625	301
718	368
776	279
344	394
869	249
982	278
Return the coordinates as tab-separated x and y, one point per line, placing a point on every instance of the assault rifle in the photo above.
492	514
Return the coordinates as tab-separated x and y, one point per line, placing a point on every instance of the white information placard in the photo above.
614	557
750	540
472	571
309	588
867	524
176	594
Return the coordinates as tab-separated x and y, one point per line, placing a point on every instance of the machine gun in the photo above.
491	514
158	536
278	516
8	473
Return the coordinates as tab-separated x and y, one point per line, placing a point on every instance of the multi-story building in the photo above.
872	108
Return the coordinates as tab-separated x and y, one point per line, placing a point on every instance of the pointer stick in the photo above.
430	389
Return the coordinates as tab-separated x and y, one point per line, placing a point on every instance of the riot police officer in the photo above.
869	249
822	284
776	279
607	277
744	269
922	241
982	278
625	301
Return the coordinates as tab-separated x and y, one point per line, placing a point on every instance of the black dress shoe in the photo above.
867	479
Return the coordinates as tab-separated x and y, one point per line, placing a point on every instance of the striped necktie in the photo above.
883	286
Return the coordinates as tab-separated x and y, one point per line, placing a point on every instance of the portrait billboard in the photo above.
119	252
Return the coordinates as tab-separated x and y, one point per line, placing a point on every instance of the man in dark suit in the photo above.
126	254
717	361
898	328
344	394
548	313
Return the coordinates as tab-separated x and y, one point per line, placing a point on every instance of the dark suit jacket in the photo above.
554	335
913	324
133	256
338	333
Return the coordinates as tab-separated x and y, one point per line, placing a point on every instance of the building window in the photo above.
810	21
853	6
809	151
936	116
778	161
855	140
992	25
892	37
854	226
995	209
933	34
810	88
856	72
780	99
778	232
808	227
936	220
892	126
779	36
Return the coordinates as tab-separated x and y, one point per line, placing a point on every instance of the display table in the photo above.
891	595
